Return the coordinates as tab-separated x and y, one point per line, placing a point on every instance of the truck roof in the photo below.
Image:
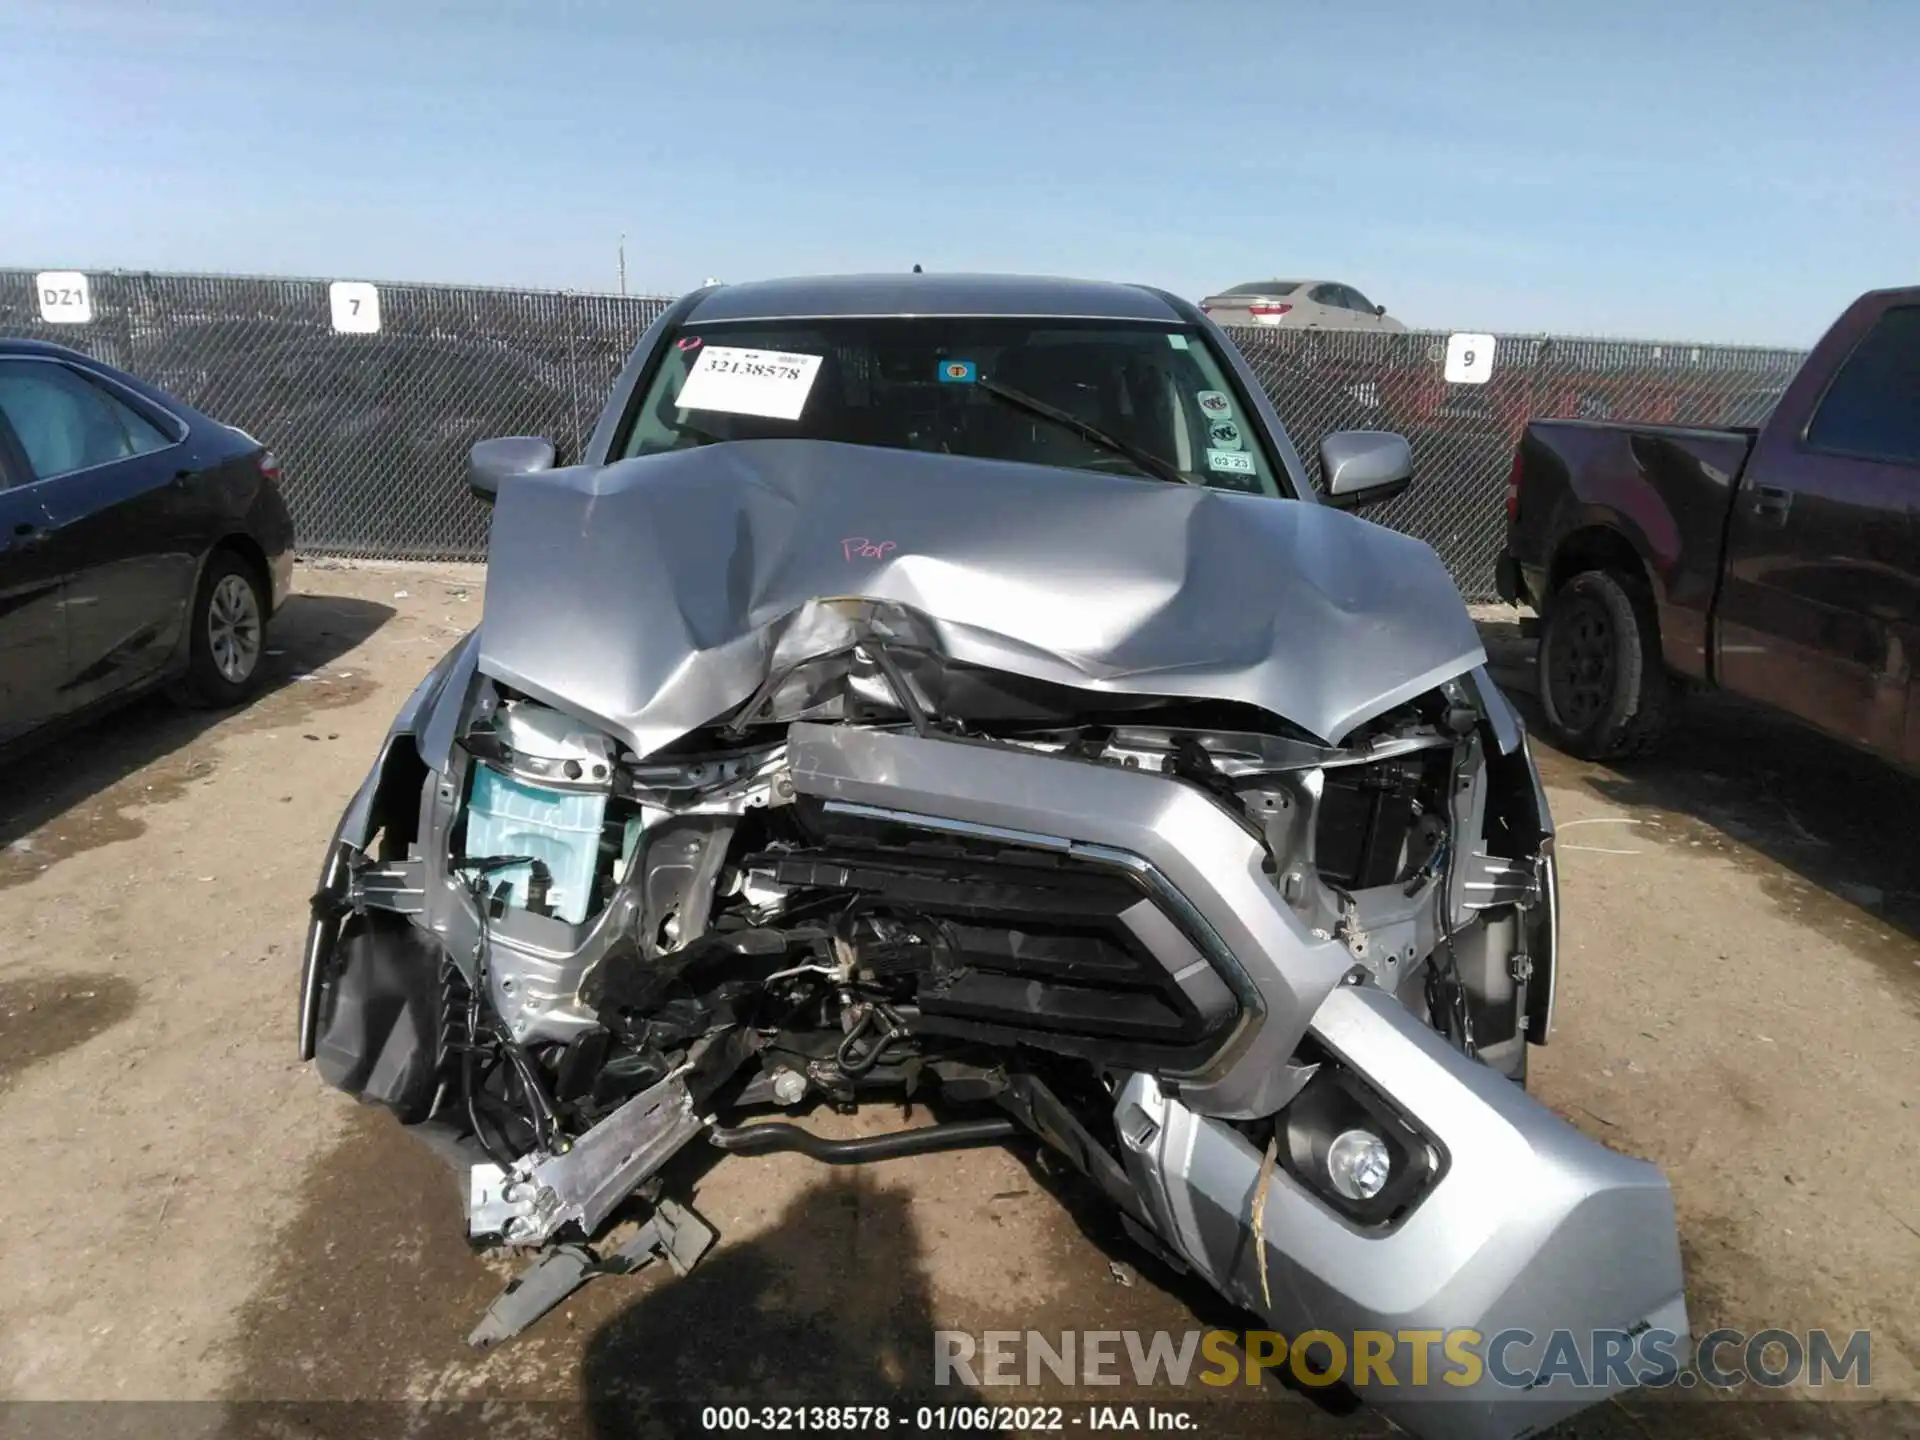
1898	294
890	295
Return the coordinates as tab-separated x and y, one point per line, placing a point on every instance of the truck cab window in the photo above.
910	383
1870	408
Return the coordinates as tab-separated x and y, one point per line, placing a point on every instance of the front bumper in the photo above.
1529	1226
1530	1234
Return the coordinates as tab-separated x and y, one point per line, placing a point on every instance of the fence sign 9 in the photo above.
1469	359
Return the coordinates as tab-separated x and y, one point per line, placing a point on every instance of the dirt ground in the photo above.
194	1216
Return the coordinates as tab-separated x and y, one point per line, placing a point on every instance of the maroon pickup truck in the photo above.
1781	564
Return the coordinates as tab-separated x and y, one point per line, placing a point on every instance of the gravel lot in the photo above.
193	1216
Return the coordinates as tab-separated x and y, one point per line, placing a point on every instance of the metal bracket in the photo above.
397	885
1348	928
1489	881
674	1233
541	1194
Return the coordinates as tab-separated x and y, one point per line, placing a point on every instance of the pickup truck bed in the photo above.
1781	563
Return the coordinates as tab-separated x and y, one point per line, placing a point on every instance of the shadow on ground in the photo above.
1835	817
75	792
831	1306
43	1015
360	1325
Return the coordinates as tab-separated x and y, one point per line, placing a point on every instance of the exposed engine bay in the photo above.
641	946
696	915
1203	951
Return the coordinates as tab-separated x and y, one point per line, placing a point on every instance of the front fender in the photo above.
1531	821
409	744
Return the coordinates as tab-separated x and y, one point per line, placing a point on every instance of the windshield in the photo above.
914	384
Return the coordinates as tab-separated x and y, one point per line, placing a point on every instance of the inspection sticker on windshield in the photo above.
958	372
772	383
1232	462
1214	405
1225	434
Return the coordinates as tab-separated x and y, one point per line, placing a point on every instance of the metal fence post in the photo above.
567	308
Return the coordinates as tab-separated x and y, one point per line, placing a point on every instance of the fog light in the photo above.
1357	1164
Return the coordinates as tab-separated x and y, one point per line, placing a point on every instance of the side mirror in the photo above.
1379	309
494	461
1364	467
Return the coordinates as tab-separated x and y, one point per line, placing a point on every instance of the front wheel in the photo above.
1603	685
228	635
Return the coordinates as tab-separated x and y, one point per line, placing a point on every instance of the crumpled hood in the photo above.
652	595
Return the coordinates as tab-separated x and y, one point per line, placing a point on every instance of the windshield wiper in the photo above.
1146	460
692	432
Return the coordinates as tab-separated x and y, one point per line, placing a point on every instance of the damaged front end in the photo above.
1271	991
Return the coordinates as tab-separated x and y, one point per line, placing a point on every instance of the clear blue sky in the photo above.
1669	168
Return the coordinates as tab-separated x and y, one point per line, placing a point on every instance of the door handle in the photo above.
1771	504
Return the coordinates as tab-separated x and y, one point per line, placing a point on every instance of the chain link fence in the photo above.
1464	435
374	429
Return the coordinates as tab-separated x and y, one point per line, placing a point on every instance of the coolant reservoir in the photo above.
543	734
514	814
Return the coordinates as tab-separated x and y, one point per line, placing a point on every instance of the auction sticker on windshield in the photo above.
772	383
1224	434
1214	405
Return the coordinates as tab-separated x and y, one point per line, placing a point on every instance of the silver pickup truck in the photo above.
956	685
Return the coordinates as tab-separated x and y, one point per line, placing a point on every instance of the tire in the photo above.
1603	685
228	635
